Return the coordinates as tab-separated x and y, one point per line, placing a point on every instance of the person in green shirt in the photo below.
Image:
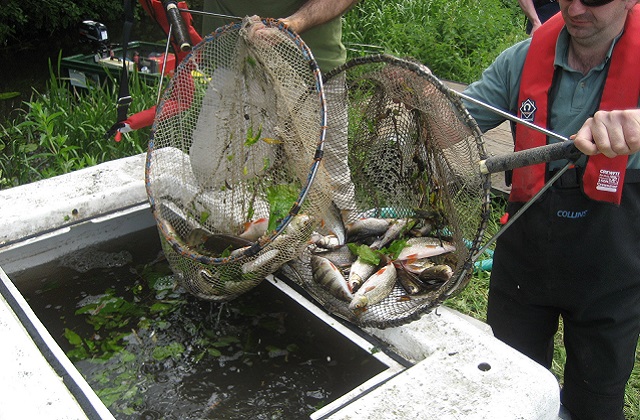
574	253
317	21
319	24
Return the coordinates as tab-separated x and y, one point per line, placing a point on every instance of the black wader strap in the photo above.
124	97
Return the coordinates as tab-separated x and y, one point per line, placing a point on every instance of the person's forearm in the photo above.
529	11
317	12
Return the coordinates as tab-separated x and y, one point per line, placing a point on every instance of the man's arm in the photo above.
317	12
611	133
530	12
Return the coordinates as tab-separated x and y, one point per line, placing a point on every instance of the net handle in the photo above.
533	156
543	154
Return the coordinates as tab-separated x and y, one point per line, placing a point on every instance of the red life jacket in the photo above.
604	177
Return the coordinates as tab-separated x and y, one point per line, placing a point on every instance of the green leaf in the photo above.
214	352
73	338
173	350
366	254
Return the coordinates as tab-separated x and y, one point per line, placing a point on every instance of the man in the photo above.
538	12
319	24
317	21
575	252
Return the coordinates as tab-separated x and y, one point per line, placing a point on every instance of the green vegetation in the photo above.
63	130
456	39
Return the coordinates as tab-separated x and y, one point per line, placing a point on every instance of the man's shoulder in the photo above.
516	52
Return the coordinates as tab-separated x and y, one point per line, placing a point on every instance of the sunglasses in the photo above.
595	3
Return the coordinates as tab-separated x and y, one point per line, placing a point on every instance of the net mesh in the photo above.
416	196
235	148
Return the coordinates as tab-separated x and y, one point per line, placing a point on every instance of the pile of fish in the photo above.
361	265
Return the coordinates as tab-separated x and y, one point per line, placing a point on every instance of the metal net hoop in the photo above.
235	148
413	155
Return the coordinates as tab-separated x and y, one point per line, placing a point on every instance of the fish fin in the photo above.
382	270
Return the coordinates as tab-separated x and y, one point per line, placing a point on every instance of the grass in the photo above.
62	130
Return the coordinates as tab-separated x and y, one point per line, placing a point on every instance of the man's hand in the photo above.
611	133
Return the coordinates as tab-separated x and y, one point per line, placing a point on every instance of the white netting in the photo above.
235	148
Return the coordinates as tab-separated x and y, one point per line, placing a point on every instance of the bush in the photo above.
23	20
457	39
45	20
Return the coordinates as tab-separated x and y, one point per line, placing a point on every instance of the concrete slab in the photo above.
462	371
67	199
31	388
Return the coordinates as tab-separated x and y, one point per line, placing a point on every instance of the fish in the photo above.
216	244
298	224
197	237
375	289
342	256
437	273
239	251
417	266
213	285
359	272
254	229
422	230
363	229
261	261
330	241
393	232
408	280
425	247
332	223
326	274
299	227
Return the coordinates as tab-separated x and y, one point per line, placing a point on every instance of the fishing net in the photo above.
420	203
235	148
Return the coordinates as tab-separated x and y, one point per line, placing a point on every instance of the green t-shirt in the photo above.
576	100
325	41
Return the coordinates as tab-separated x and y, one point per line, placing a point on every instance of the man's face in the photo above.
592	24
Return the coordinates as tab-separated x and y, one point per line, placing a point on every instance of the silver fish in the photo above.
342	257
363	229
394	231
332	223
298	224
326	274
419	248
359	272
330	241
375	289
298	228
214	285
264	261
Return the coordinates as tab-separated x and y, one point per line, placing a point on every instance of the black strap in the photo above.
124	97
539	3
